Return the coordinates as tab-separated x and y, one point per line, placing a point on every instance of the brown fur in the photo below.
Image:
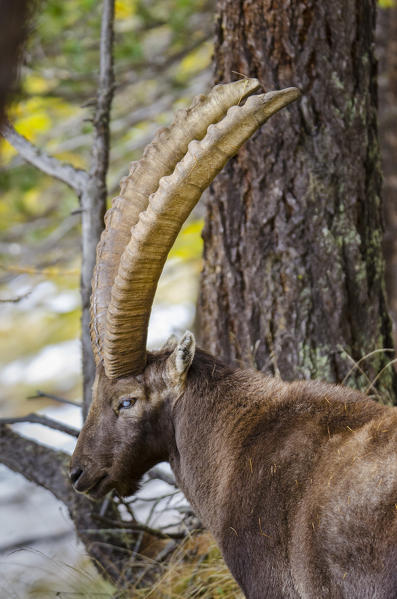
297	481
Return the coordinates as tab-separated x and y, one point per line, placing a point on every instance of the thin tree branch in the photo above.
74	177
100	154
137	526
40	394
138	499
15	300
45	421
93	200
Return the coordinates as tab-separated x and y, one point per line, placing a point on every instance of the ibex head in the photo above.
128	429
121	438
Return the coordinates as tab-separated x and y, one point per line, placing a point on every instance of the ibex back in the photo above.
297	481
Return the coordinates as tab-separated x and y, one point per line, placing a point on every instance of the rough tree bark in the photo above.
293	278
386	43
14	28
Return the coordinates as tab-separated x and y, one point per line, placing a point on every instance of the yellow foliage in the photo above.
59	107
387	3
7	152
124	9
34	84
189	244
196	60
34	116
73	158
31	199
32	124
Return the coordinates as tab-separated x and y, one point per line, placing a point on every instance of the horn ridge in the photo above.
159	159
153	235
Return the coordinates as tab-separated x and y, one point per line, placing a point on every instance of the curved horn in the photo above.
152	237
159	159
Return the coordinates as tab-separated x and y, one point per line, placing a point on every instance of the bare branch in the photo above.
41	465
93	200
74	177
137	498
45	421
100	153
137	526
15	300
40	394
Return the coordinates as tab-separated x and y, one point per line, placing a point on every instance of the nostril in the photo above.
75	474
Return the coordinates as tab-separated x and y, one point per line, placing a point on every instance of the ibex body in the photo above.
297	481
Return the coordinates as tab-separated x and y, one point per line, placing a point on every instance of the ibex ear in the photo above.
181	358
171	343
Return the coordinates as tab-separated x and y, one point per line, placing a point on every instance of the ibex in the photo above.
296	481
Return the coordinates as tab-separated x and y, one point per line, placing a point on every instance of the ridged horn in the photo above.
159	159
142	261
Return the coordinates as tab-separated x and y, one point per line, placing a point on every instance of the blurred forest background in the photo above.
162	58
163	52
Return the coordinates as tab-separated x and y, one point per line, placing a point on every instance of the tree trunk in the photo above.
386	43
293	279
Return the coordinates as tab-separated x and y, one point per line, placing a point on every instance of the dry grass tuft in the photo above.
196	569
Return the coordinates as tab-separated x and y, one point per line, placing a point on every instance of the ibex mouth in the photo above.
94	490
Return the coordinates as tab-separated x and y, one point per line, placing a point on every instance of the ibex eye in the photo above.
127	403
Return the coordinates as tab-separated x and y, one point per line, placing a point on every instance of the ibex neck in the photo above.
204	420
234	430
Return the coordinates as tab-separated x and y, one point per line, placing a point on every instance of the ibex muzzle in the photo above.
297	481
